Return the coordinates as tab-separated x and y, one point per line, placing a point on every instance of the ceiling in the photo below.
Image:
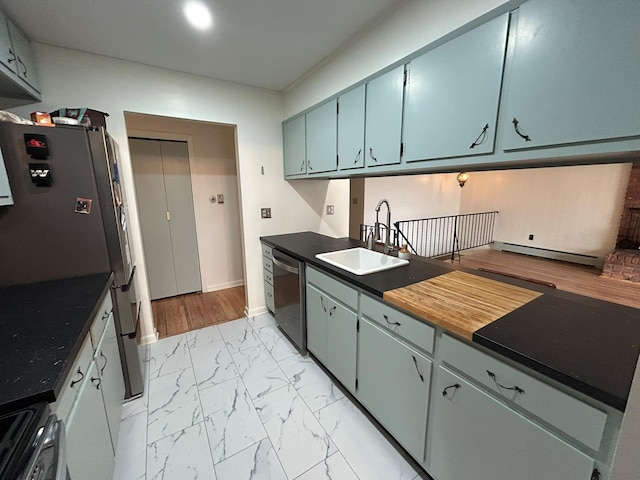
264	43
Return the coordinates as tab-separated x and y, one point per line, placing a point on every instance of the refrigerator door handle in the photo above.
127	286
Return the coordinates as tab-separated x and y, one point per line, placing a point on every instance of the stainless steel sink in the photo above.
361	261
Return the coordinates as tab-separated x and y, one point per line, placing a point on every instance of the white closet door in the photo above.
177	183
165	204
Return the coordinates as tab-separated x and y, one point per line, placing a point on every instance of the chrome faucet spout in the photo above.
387	241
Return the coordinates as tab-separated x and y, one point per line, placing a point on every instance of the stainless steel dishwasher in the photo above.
289	298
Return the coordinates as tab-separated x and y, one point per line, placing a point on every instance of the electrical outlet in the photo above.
531	236
265	212
329	209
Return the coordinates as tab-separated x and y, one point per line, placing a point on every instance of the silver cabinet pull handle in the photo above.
445	391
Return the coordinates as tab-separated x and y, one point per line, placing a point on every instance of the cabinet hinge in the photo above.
337	108
595	475
402	149
358	326
405	80
337	160
356	384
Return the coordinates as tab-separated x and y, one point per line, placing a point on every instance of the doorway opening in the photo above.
205	255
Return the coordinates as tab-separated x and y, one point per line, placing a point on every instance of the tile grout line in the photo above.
252	400
204	418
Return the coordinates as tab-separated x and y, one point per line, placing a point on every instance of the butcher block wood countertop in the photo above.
460	302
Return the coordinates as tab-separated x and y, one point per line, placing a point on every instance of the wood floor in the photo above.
569	277
176	315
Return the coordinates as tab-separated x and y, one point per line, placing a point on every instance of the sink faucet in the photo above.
387	243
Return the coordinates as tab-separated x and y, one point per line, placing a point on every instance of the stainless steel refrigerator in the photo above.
69	219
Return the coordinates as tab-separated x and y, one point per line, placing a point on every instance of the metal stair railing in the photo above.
439	236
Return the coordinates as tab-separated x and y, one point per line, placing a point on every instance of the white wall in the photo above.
568	209
412	197
212	158
70	78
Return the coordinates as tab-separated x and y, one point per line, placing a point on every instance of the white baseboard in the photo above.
255	311
222	286
593	261
151	338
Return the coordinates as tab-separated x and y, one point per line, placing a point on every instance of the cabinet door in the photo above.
393	383
107	360
573	73
26	64
89	450
351	129
383	125
295	157
452	95
475	436
342	341
7	56
317	308
321	133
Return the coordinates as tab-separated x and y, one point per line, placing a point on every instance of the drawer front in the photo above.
574	417
407	327
73	382
267	263
266	251
335	288
101	319
268	296
268	276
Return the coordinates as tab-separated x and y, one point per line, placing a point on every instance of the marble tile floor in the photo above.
236	401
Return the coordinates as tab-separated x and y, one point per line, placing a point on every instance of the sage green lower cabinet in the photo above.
475	436
393	383
331	325
317	323
107	359
90	453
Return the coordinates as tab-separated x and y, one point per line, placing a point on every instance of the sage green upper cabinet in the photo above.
295	158
452	95
351	129
573	74
321	135
383	125
19	83
25	62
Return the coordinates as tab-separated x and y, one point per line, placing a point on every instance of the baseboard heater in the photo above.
590	260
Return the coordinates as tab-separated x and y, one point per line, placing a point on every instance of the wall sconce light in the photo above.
462	178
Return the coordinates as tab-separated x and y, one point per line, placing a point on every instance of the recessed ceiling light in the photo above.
198	15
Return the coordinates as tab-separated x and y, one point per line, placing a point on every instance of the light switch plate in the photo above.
265	212
220	198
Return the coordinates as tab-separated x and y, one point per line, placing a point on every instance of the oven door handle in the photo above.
285	267
52	437
56	439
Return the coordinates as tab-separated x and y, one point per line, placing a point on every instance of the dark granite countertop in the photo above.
587	344
43	326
